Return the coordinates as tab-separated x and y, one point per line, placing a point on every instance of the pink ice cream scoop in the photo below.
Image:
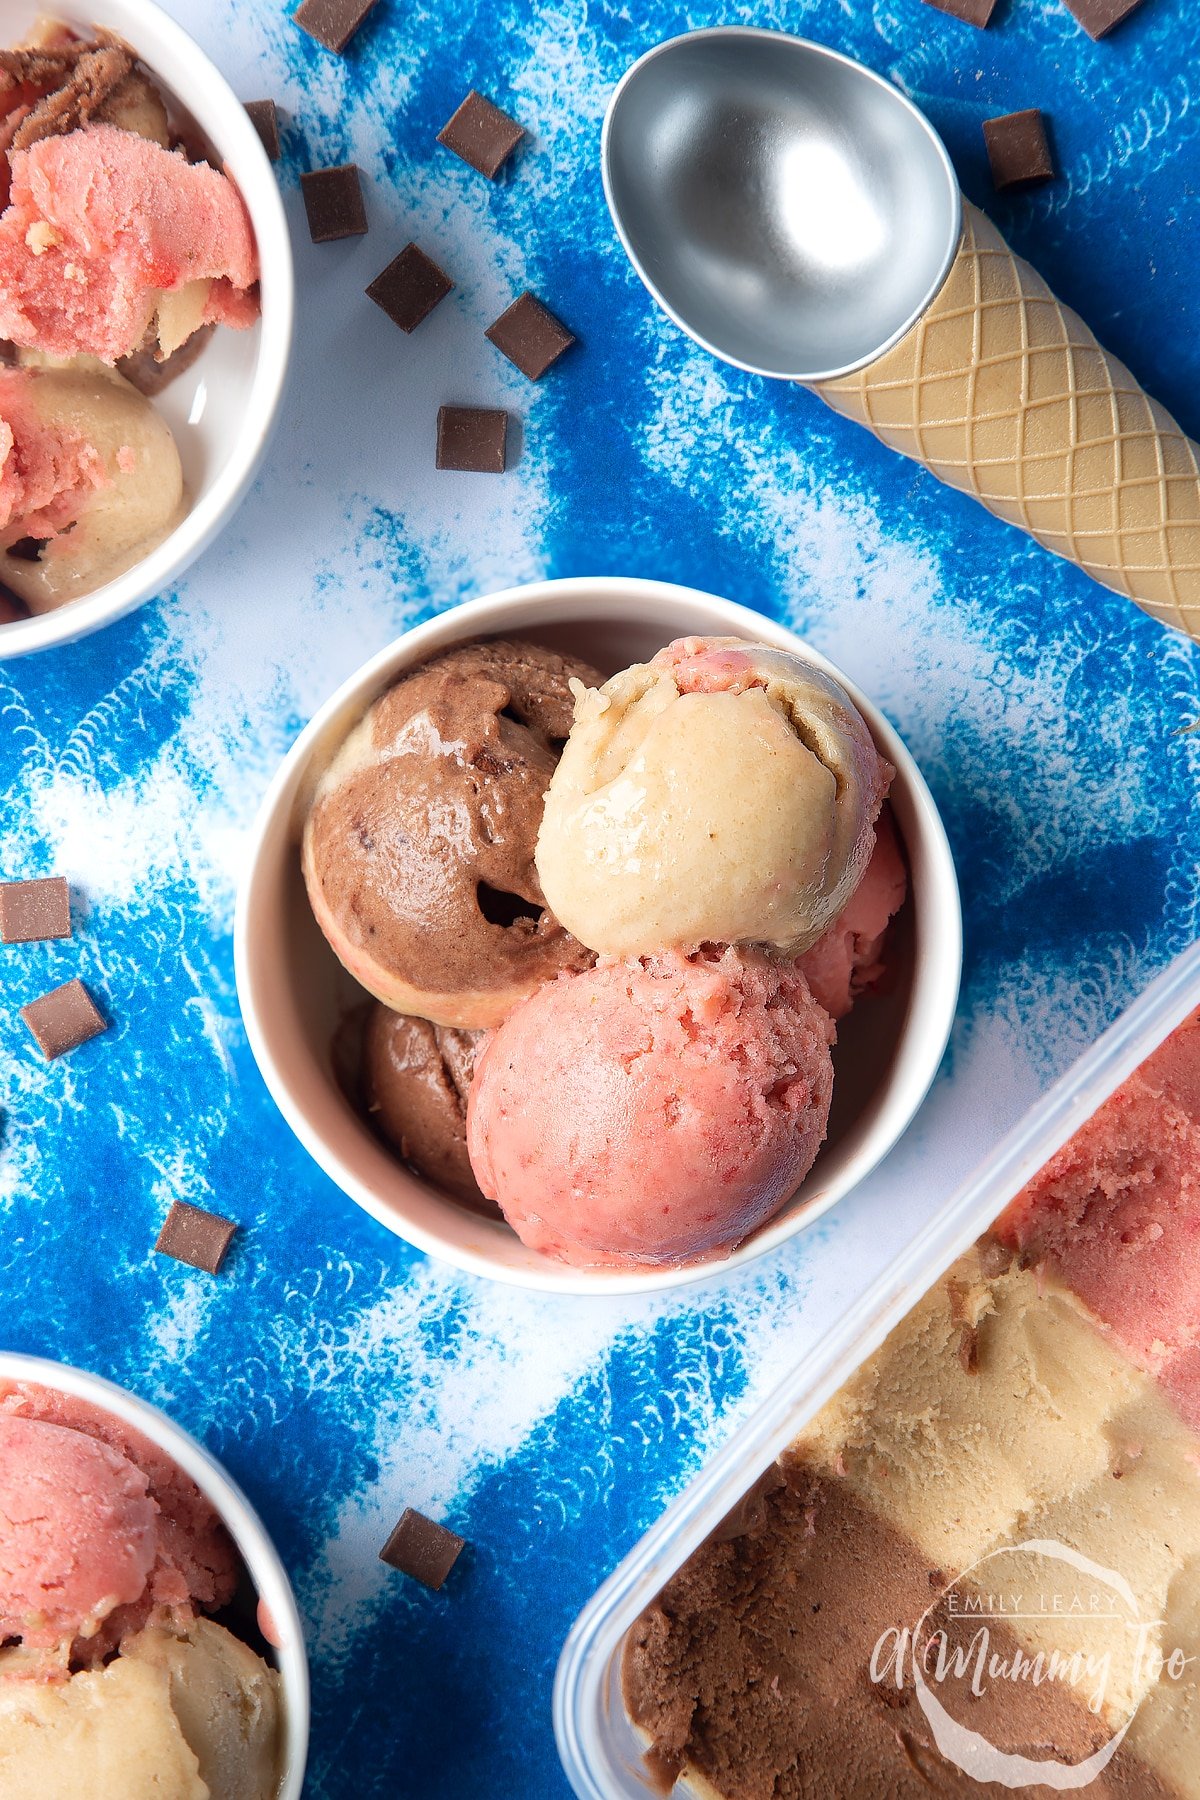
1129	1182
77	1532
180	1551
46	475
849	958
655	1110
100	225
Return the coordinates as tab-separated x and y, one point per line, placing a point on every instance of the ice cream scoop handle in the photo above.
1003	392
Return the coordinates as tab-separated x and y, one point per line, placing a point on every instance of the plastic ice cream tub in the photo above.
259	1556
222	409
600	1749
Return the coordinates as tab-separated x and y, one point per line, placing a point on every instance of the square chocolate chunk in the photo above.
409	288
333	200
971	12
1018	149
332	22
481	134
31	911
63	1019
422	1548
472	437
1099	17
264	117
530	336
195	1237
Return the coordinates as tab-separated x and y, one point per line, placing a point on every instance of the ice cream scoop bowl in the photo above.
221	409
264	1572
294	994
800	218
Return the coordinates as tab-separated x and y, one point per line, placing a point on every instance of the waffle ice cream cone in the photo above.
1003	392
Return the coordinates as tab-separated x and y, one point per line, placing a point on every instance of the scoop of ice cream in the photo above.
418	847
1116	1214
90	481
652	1111
77	1532
48	472
226	1701
110	1733
192	1561
848	959
723	792
104	229
416	1078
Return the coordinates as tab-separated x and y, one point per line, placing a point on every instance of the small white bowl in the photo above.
223	407
293	990
247	1530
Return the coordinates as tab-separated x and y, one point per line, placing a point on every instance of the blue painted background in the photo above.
340	1375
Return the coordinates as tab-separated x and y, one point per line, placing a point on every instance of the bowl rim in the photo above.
247	1530
156	37
488	615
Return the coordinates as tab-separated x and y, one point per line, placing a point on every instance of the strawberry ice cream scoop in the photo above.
105	231
77	1532
46	474
188	1559
652	1111
849	958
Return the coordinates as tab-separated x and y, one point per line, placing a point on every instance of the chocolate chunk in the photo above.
472	437
481	134
409	288
1099	17
195	1237
264	116
333	200
422	1548
332	22
150	373
530	336
31	911
1018	149
63	1019
971	12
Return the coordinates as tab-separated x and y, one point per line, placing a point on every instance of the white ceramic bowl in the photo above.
245	1527
222	409
293	990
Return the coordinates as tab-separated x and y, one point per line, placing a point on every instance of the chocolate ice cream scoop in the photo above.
418	848
48	90
415	1081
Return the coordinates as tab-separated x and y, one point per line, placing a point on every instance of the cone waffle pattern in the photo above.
1001	391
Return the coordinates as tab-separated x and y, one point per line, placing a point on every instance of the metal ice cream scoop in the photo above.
799	217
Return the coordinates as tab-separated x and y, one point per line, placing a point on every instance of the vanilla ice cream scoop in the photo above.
723	793
115	1722
192	1714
